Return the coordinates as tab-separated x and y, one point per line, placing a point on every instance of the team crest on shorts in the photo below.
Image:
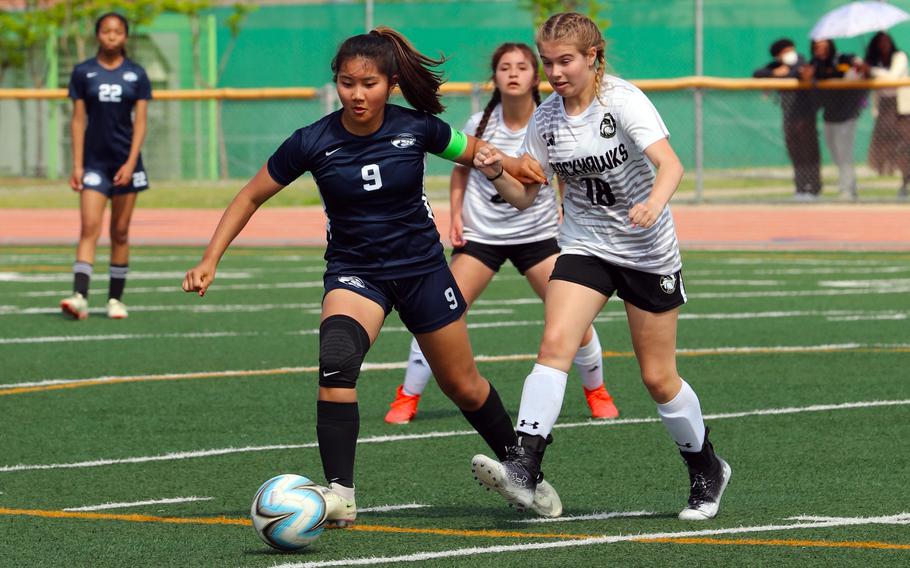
91	178
130	76
404	140
353	281
608	126
668	283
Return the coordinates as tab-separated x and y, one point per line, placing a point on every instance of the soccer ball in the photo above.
289	512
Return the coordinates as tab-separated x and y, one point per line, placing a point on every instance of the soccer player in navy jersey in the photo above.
110	98
383	247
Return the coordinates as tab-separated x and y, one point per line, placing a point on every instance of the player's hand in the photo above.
488	159
124	175
199	278
76	179
529	171
645	214
456	232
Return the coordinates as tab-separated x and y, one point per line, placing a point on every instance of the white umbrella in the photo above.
858	18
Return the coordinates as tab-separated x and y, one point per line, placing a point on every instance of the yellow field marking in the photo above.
124	517
135	518
782	542
380	366
148	378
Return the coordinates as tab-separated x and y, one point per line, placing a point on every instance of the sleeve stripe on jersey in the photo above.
457	144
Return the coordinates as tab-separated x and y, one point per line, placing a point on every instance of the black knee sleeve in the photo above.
343	343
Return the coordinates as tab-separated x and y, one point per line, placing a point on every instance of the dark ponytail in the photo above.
121	17
395	57
497	96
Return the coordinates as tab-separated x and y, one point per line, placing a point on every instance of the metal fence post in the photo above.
475	97
328	98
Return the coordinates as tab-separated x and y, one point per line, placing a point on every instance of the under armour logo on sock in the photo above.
686	445
531	424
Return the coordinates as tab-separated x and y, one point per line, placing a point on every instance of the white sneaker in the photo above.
340	512
76	306
116	309
511	482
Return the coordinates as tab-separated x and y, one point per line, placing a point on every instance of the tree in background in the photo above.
543	9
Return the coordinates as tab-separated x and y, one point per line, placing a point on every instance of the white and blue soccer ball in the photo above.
288	512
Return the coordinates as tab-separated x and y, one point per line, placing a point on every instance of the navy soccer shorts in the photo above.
425	303
100	177
653	293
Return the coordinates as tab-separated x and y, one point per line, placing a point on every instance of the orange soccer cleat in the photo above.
403	408
601	403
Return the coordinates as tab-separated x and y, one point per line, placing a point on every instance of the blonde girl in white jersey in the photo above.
486	231
606	141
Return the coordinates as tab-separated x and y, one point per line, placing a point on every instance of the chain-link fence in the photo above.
751	140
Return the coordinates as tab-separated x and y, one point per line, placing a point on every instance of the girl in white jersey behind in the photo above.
486	231
604	139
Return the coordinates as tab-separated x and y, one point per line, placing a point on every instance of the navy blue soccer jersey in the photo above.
109	96
380	223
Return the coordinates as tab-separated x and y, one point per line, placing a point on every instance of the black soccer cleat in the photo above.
517	476
708	478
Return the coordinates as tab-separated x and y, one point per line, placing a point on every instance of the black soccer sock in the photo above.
82	276
118	280
337	427
493	424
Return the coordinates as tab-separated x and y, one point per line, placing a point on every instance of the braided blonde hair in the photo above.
581	31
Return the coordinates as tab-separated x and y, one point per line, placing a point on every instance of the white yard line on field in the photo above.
174	456
168	501
900	519
742	350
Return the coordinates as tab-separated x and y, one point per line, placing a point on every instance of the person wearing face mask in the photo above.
799	110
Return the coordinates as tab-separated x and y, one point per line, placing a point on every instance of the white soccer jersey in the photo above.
599	154
487	217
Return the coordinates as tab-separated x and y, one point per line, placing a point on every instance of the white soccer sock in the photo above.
418	372
589	363
682	417
541	400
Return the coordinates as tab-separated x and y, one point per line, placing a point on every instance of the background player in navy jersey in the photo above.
486	231
383	248
106	91
608	143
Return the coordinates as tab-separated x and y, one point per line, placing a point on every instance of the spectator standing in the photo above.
890	146
841	108
799	118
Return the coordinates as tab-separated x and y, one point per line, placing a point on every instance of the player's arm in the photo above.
256	192
490	161
77	131
669	174
458	182
140	122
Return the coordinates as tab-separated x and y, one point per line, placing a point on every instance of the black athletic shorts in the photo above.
425	303
100	177
524	256
654	293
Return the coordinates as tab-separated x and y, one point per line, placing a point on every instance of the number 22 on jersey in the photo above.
109	93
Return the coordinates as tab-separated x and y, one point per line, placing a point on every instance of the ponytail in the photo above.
395	57
418	81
